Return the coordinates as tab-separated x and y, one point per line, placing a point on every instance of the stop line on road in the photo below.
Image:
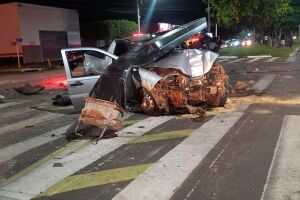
290	59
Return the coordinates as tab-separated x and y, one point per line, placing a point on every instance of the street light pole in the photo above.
208	16
18	55
138	15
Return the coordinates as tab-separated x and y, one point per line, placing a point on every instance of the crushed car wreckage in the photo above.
157	78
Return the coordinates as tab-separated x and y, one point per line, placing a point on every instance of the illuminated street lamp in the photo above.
138	15
148	14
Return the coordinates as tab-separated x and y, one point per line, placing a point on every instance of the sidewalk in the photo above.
28	68
8	66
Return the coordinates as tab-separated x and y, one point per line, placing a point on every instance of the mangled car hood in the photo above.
191	62
111	84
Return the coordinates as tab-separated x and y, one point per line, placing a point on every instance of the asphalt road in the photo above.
247	151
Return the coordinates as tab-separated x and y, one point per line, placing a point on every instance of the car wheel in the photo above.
224	97
148	104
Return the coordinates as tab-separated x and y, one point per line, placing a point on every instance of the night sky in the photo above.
172	11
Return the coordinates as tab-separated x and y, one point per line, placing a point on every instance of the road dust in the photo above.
254	99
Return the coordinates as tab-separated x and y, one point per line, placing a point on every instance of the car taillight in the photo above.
138	34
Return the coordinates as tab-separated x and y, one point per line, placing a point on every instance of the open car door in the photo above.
83	68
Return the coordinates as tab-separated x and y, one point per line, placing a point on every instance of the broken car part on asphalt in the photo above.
29	89
2	99
158	79
103	114
242	89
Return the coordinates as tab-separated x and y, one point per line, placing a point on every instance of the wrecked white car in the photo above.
157	78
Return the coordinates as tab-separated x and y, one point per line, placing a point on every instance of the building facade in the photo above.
39	31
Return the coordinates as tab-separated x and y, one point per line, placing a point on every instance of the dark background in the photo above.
171	11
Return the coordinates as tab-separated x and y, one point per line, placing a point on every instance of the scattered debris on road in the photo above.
242	88
61	100
58	165
31	69
255	99
29	89
102	114
2	99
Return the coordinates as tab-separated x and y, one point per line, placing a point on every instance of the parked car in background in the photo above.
233	43
246	42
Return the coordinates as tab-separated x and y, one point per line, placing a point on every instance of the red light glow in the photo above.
55	83
138	34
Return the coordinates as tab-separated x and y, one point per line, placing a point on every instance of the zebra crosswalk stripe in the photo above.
291	59
263	83
161	179
34	120
6	105
253	60
46	175
237	60
272	59
11	151
283	180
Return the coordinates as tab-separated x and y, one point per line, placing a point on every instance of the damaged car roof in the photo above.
110	86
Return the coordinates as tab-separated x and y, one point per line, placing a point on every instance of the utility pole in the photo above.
138	15
18	41
208	16
216	33
18	55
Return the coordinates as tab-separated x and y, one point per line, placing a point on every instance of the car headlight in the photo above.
236	43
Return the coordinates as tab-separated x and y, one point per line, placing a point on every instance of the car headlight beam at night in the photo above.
236	43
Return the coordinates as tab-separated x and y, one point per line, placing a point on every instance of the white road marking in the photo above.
253	60
11	151
45	116
46	175
6	105
127	115
227	57
283	181
261	56
222	60
272	59
291	59
161	180
237	60
263	83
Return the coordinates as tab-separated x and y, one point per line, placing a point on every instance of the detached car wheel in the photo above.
148	104
224	97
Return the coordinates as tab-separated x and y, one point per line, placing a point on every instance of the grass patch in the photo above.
297	43
257	50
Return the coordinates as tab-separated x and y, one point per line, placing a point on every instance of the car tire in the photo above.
223	98
148	104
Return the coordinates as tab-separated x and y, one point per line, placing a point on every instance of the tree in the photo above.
292	19
108	30
262	16
119	28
